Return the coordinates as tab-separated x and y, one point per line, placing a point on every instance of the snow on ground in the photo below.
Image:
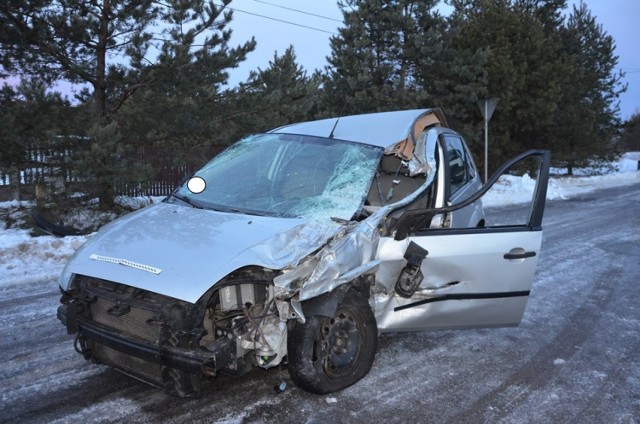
25	259
512	190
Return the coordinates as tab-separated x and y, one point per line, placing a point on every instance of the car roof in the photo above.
383	129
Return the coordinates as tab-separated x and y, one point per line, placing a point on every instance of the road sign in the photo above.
487	106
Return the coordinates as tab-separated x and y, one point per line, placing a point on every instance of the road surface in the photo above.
575	357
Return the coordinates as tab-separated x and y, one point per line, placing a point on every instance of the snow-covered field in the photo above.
25	259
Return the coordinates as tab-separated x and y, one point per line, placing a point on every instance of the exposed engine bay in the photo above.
170	343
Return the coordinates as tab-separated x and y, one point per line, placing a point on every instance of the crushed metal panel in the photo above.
235	240
351	253
423	160
290	247
341	258
404	148
468	283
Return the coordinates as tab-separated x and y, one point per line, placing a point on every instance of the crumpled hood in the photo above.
192	248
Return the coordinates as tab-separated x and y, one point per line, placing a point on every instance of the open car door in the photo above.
464	277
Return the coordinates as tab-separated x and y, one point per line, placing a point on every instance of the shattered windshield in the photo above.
287	175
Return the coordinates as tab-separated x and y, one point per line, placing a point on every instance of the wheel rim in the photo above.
341	343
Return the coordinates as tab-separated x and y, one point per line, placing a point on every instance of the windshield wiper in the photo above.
228	209
259	213
187	200
339	220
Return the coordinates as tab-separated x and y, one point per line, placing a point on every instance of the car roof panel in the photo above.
383	129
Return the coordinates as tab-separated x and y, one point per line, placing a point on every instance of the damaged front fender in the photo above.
351	253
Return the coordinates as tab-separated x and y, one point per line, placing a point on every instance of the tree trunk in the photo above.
107	197
100	96
101	63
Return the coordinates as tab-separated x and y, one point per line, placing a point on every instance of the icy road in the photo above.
575	357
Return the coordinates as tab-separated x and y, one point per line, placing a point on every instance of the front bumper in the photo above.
147	336
199	361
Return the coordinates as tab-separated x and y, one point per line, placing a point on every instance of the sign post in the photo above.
487	107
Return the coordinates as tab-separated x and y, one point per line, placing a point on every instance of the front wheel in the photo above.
329	354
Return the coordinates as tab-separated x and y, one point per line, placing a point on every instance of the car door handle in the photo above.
518	254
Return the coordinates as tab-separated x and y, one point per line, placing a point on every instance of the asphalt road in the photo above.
575	357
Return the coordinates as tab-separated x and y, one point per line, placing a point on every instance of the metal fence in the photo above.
51	167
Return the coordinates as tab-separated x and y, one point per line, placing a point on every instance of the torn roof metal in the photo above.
383	129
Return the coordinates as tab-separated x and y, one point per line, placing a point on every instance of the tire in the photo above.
330	354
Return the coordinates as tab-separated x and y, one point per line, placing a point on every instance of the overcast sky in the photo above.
618	17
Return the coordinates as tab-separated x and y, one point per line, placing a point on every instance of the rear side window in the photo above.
460	168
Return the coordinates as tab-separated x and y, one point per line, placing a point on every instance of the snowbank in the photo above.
511	190
25	259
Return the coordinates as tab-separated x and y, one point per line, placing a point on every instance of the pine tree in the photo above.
177	50
372	65
403	54
282	93
587	118
449	74
521	69
630	137
31	116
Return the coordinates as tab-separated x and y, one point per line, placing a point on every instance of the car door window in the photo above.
458	162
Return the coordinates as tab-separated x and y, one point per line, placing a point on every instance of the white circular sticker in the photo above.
196	185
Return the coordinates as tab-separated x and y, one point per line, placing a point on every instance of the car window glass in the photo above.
471	170
289	175
459	173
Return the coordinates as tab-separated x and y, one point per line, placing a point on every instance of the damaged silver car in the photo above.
300	246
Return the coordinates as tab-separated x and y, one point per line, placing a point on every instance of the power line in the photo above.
277	20
297	10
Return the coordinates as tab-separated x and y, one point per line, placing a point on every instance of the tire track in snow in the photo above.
536	373
577	331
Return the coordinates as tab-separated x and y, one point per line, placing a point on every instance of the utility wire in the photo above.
279	20
299	11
